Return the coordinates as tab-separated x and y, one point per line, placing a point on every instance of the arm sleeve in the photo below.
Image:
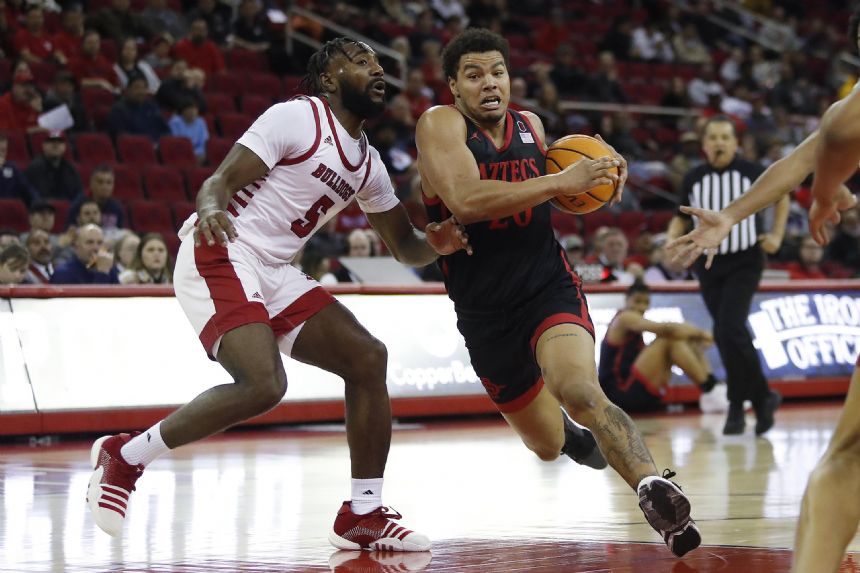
285	130
377	195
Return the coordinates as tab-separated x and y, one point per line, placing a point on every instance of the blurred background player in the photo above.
519	306
248	304
635	375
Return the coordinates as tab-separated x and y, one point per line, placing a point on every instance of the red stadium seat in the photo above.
13	215
263	84
217	102
658	221
217	149
292	86
93	98
181	211
254	105
151	217
94	148
137	149
593	221
17	151
164	184
176	151
246	60
631	221
194	178
564	223
36	140
228	82
233	125
62	207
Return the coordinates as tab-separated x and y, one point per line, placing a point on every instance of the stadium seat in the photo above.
176	151
658	221
94	148
194	178
292	86
233	125
151	217
181	211
564	223
164	183
263	84
217	102
593	221
62	208
17	151
93	98
246	60
631	221
217	149
227	82
137	149
13	215
254	105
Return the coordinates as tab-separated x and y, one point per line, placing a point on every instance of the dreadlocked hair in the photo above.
319	61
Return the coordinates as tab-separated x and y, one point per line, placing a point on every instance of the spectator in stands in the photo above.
92	69
615	129
217	17
688	46
619	39
604	85
795	92
689	156
401	119
68	41
137	112
574	248
612	253
160	58
677	95
359	246
553	31
125	249
396	158
845	246
21	106
14	260
151	264
251	28
41	215
779	31
118	21
54	176
650	44
64	92
32	43
765	72
662	268
13	183
92	263
188	123
567	76
199	51
159	19
416	92
327	240
808	263
8	237
182	84
40	268
424	30
128	65
316	265
445	9
101	191
730	69
703	86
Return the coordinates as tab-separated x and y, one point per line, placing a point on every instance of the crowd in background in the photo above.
164	71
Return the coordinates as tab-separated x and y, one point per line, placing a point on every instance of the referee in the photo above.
729	285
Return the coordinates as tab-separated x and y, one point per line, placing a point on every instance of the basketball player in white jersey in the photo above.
295	168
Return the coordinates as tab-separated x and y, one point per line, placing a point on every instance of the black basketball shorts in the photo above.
502	344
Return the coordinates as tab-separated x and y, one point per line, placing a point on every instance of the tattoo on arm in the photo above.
561	336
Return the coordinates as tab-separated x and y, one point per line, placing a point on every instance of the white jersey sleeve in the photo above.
285	130
377	195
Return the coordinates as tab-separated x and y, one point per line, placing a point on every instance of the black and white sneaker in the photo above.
667	509
580	445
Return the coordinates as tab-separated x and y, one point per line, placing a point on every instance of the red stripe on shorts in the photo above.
555	320
300	310
521	402
232	307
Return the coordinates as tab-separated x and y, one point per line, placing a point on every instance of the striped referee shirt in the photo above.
706	187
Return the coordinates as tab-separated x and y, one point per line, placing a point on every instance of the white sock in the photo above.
144	447
366	495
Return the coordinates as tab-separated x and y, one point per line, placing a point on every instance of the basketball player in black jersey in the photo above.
634	375
519	305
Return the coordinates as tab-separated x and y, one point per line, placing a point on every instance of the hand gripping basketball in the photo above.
213	226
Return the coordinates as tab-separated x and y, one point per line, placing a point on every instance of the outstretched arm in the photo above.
634	322
412	247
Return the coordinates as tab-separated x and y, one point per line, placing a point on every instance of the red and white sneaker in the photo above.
111	483
376	531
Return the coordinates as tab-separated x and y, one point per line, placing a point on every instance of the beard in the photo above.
360	103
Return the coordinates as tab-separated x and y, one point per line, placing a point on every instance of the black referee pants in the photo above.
728	288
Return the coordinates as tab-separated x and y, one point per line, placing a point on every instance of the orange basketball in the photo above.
569	150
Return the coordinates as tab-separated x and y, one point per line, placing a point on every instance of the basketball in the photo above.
569	150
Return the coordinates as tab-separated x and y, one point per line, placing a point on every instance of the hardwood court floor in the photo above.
264	501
